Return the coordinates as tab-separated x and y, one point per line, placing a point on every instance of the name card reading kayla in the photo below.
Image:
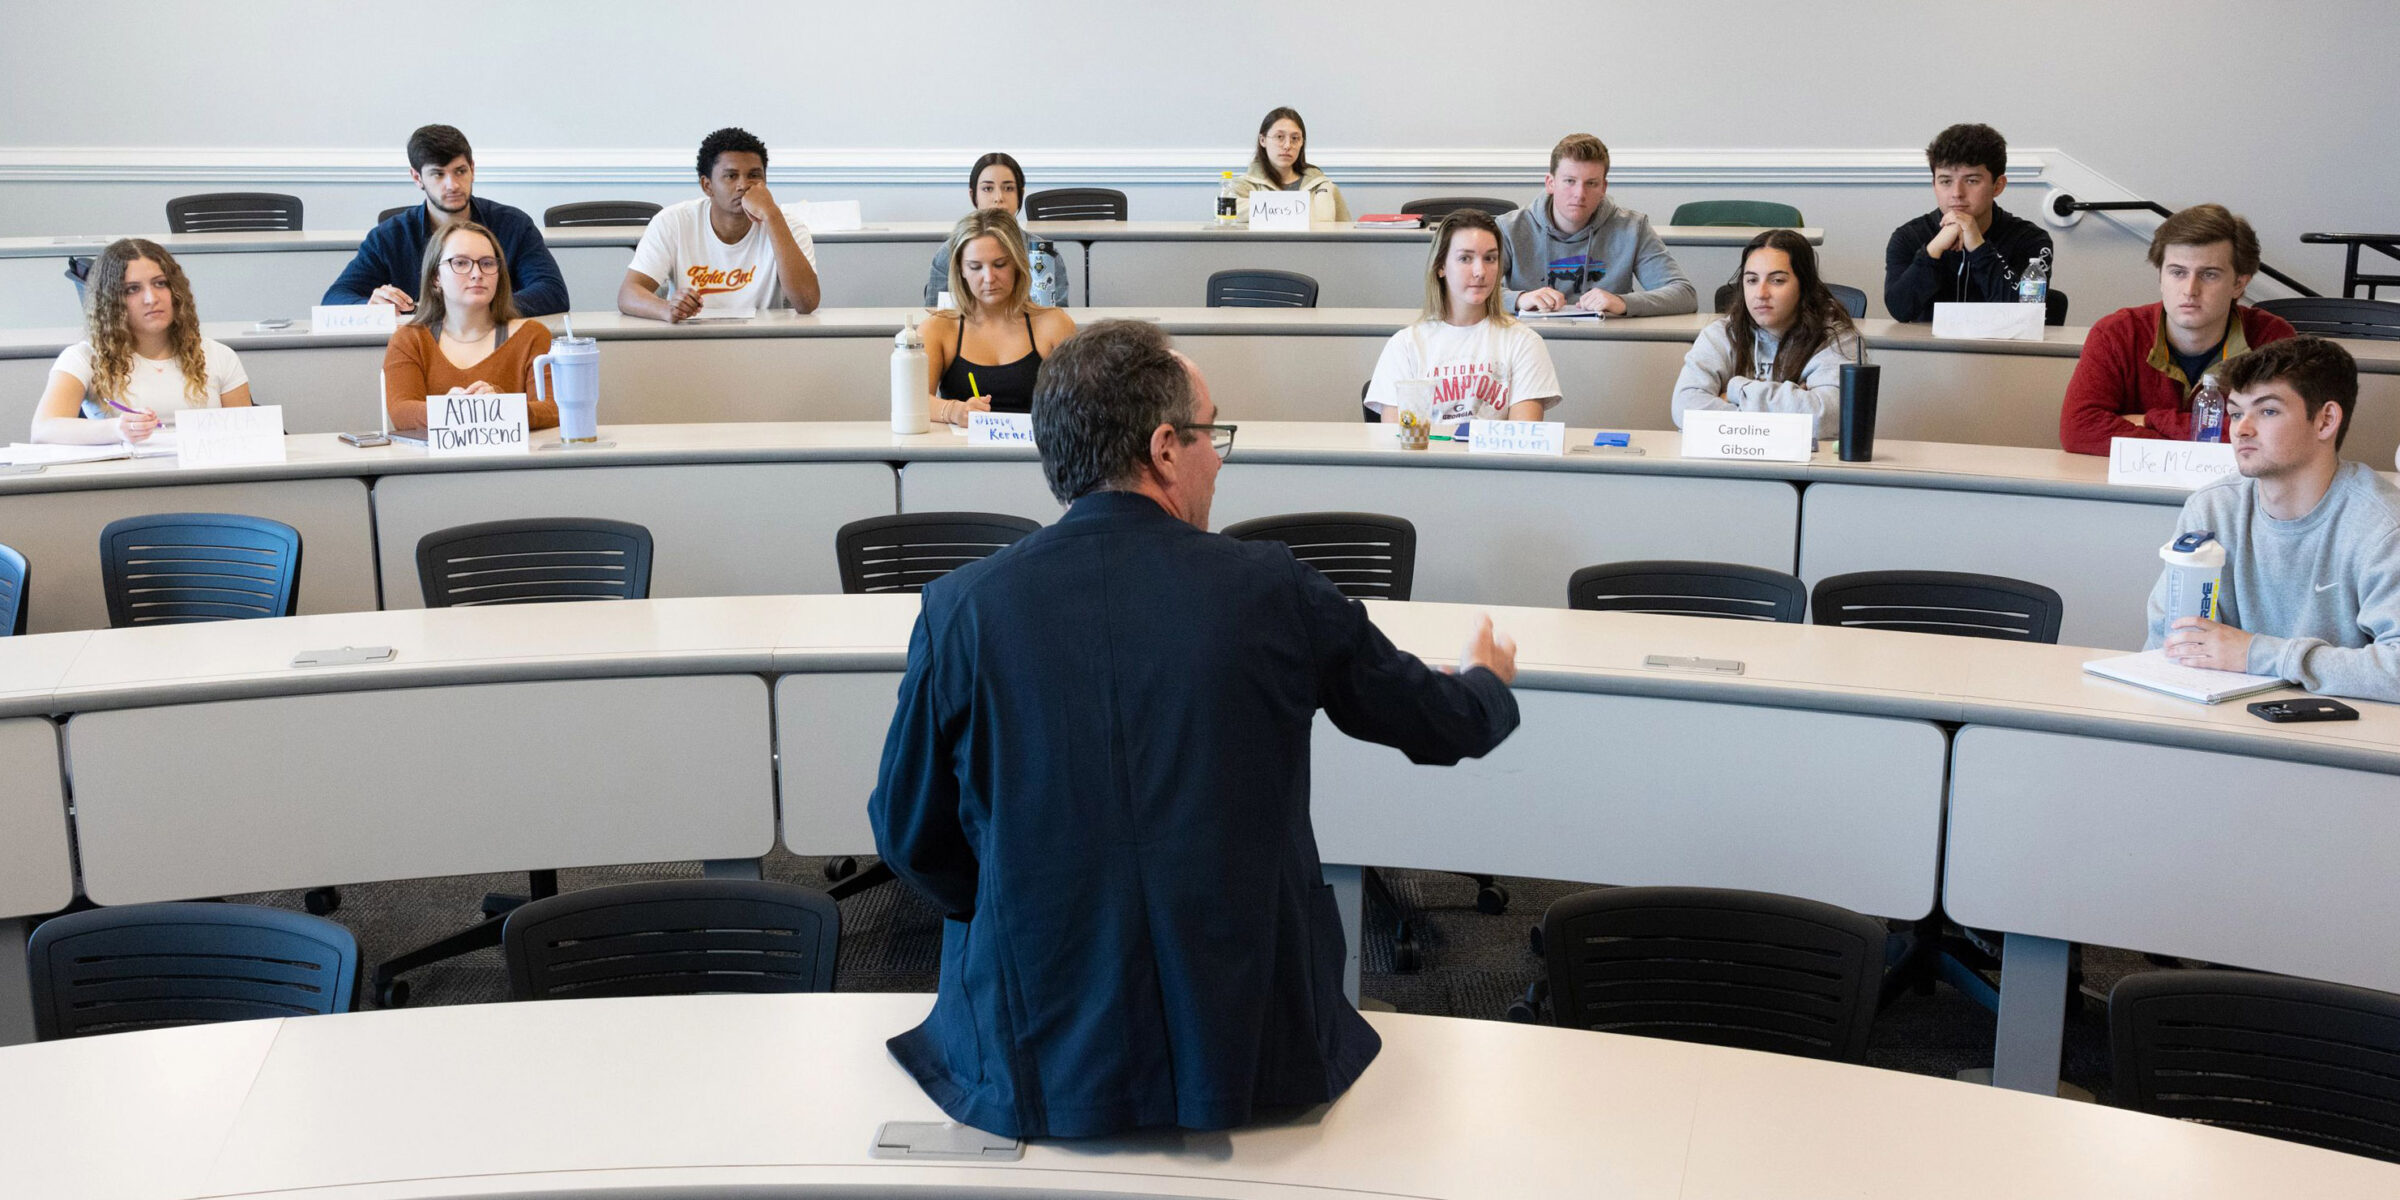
2149	462
353	318
1280	210
459	426
228	437
999	429
1757	437
1517	437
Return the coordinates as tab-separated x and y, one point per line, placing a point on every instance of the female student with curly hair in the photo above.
142	359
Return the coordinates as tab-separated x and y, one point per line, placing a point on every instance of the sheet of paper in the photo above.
2152	669
31	453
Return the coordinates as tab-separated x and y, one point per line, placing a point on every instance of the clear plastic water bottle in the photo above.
2208	410
1227	206
2033	287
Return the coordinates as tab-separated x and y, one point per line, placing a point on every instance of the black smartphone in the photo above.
2307	708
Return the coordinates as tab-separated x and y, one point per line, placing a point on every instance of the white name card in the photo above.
1517	437
462	426
353	318
999	429
2150	462
1756	437
2005	322
1280	210
228	437
830	216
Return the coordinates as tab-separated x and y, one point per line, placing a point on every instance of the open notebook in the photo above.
2152	669
157	445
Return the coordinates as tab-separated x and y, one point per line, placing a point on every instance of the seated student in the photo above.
1968	248
998	182
1280	164
1482	362
729	252
1577	249
2310	591
2144	362
466	337
983	356
1780	345
443	167
142	359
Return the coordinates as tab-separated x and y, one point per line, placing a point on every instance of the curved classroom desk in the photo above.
783	1095
1859	767
251	276
740	509
1262	364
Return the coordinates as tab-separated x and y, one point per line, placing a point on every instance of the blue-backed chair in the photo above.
13	578
173	568
149	966
673	937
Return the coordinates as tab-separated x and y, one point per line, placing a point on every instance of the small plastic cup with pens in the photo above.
1415	398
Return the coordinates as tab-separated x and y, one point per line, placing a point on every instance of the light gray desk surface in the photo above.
636	1096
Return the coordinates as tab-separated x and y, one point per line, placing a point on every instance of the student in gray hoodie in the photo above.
2310	590
1576	248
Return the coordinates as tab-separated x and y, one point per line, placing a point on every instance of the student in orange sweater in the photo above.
2144	362
465	336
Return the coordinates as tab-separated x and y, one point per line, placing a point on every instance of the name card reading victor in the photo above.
353	318
1280	210
999	429
1517	437
229	437
2149	462
459	426
1757	437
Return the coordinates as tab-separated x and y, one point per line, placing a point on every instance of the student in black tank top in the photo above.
986	356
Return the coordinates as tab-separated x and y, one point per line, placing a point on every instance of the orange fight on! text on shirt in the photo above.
706	280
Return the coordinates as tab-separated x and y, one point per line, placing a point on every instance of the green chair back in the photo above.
1735	212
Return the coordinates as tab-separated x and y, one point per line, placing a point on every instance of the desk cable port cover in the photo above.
945	1140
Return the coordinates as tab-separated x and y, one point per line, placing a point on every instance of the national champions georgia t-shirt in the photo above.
680	250
1477	370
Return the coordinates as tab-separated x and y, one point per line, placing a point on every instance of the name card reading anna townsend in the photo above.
462	425
1752	436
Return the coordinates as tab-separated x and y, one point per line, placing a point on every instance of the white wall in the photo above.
2262	108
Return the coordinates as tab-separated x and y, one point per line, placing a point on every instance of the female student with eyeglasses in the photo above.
466	336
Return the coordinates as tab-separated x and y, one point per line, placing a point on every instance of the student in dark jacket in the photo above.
443	167
1098	768
1968	248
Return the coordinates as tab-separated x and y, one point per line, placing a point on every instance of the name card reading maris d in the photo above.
1516	437
462	426
999	429
1754	437
2150	462
1280	210
353	318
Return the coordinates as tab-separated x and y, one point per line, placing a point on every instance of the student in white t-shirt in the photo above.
1482	362
142	359
730	252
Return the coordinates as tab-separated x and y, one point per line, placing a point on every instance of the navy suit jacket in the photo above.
1099	770
394	253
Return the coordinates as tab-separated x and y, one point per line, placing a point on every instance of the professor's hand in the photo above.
1494	652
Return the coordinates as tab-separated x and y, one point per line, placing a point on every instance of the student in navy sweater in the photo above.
1968	248
443	167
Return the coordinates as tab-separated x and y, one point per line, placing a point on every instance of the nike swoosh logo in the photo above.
2325	586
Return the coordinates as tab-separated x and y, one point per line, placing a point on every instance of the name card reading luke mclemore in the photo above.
999	429
1752	436
1517	437
2151	462
464	425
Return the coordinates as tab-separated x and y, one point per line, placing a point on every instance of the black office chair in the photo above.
389	213
2386	244
233	212
13	581
150	966
2054	311
1261	289
173	568
1735	212
2297	1059
1077	204
673	937
584	213
79	273
531	561
1952	602
1690	589
2336	317
1729	968
1853	301
1434	208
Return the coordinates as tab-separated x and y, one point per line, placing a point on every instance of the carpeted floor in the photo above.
1474	964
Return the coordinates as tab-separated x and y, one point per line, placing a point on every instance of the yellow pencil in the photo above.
973	392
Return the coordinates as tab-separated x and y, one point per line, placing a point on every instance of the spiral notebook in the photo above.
2153	670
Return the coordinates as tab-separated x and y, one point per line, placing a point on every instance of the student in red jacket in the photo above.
2143	363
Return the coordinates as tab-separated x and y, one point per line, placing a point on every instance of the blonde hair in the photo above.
432	309
1437	300
1001	226
112	342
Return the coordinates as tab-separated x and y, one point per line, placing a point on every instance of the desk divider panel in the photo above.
37	871
829	731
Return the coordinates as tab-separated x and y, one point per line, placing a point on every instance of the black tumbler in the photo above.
1860	382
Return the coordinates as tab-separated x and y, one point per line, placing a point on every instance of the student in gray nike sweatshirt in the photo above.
2310	590
1576	248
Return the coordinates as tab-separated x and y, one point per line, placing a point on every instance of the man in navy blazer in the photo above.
1099	770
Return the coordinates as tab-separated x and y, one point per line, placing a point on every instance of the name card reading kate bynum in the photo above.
1751	436
229	437
462	425
2151	462
1517	437
1281	210
353	318
999	429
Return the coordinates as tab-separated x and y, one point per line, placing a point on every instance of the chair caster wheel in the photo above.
394	994
1491	900
1527	1009
1522	1013
1405	958
321	902
840	869
1533	940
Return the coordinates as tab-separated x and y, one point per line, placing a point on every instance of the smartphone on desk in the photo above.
2306	708
366	440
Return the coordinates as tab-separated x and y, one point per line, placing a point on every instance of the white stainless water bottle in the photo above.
908	380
